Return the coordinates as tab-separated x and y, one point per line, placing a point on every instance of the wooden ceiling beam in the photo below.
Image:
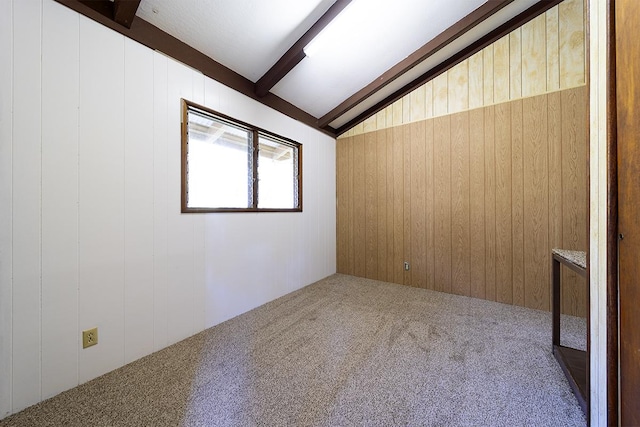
154	38
124	11
504	29
440	41
295	54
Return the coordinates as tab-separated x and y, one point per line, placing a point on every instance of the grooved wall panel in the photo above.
515	64
477	197
6	208
381	167
490	202
430	203
504	218
544	55
491	192
91	233
371	206
101	213
26	197
342	194
536	203
574	195
398	205
406	212
442	190
138	194
391	260
60	69
359	213
534	57
517	202
460	199
418	227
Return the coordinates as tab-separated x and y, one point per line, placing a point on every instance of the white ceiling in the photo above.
249	36
393	30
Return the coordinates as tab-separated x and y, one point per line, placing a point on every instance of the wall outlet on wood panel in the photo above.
407	266
89	337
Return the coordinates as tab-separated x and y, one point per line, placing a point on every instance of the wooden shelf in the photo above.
574	365
574	362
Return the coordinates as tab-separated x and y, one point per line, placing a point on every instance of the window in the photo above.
230	166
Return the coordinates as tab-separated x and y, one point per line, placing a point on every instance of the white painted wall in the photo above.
90	227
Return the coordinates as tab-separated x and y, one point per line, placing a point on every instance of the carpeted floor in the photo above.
343	351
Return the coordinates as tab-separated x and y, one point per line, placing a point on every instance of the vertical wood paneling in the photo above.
101	201
381	119
359	209
430	204
572	45
406	108
418	110
545	54
350	209
475	199
460	196
60	68
504	255
517	202
476	80
536	203
398	205
371	206
26	193
488	75
458	87
440	95
553	46
418	207
428	99
490	202
138	194
515	64
477	237
160	208
397	112
381	159
442	196
370	124
389	116
342	170
501	73
391	271
574	192
554	138
406	198
6	207
534	57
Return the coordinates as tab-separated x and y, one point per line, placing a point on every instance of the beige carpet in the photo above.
343	351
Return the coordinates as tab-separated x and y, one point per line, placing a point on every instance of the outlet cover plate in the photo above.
89	337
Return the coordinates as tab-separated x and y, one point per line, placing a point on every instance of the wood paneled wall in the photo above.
474	201
545	55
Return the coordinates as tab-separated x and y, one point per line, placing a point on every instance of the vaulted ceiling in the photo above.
381	50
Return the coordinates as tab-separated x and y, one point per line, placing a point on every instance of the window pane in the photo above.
219	164
277	164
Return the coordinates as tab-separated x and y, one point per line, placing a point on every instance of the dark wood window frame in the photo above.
253	186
